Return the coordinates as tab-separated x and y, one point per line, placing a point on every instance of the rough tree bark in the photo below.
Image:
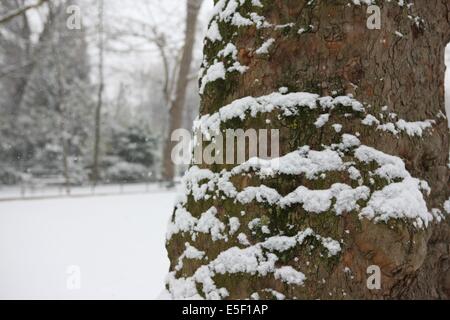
177	104
325	48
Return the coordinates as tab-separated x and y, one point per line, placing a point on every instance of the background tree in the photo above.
161	83
141	61
48	99
364	180
176	105
98	109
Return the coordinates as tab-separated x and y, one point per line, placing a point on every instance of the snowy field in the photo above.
111	246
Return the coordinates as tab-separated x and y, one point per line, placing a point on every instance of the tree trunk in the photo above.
356	198
98	109
176	106
61	93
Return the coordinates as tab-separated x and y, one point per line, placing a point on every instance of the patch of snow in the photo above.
242	238
319	201
403	200
414	128
289	275
116	241
213	33
215	72
322	120
208	223
311	163
253	260
337	127
234	225
288	104
447	206
391	167
264	49
261	194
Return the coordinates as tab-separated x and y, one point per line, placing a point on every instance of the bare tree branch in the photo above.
11	15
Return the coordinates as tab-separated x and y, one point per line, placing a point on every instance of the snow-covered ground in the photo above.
112	246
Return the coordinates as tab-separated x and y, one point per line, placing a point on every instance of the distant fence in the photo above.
29	192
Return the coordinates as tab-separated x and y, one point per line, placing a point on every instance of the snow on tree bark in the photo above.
363	179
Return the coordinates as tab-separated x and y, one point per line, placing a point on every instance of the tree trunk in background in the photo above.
98	109
61	102
325	48
176	107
